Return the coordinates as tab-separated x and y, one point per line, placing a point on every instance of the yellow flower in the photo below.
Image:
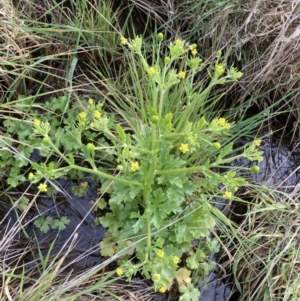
194	51
151	70
160	253
224	123
178	42
192	46
227	195
30	176
181	74
123	41
220	69
227	125
257	142
119	271
42	187
97	114
175	259
134	166
162	290
36	122
184	148
91	101
156	277
82	115
239	74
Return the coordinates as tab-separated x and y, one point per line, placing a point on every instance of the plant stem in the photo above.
181	170
99	173
147	185
105	175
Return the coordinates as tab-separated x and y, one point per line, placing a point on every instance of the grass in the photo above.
80	57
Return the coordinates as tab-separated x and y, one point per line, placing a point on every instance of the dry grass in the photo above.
260	37
268	265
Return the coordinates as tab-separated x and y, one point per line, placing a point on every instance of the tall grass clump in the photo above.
259	38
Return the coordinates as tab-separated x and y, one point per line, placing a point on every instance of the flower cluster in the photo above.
234	74
257	142
222	122
220	69
193	49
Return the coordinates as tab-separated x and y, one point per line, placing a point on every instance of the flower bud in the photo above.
167	60
255	169
90	147
216	145
154	119
218	53
46	140
160	37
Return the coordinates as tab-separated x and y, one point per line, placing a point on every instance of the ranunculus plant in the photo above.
163	172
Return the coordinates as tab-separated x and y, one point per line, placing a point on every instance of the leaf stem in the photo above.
182	170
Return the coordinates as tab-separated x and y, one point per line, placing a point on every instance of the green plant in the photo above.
81	189
47	223
165	165
36	56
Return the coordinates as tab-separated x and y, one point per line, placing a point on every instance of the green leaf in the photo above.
123	193
14	171
81	189
106	187
192	262
107	246
121	133
69	141
226	150
60	224
71	158
167	123
177	181
22	205
14	181
175	198
44	224
201	123
110	221
207	267
101	204
189	293
57	104
158	208
182	233
214	245
141	221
